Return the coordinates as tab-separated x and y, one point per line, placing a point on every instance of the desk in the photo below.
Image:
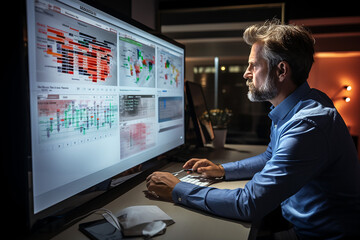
189	223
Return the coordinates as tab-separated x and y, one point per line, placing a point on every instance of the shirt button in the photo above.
275	126
179	199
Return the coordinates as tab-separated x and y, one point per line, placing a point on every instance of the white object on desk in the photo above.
147	220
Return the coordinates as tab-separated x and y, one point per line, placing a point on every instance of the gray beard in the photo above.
265	92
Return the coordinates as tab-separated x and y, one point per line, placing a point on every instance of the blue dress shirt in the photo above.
310	168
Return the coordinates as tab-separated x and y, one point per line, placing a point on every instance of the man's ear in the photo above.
283	70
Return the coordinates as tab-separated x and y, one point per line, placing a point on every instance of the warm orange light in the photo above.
337	54
347	99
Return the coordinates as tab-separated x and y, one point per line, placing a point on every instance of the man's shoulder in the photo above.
316	108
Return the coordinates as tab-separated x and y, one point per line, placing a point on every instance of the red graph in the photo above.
80	53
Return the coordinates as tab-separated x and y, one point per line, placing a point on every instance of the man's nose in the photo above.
247	74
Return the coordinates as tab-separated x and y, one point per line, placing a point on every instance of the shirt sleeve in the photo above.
246	168
298	157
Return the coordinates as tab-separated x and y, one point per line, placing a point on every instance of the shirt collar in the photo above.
279	112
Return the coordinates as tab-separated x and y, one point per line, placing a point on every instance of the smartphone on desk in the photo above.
100	230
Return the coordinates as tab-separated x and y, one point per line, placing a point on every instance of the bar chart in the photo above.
75	52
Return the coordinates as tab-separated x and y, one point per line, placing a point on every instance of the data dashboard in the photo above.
105	96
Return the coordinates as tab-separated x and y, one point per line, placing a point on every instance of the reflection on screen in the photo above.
105	97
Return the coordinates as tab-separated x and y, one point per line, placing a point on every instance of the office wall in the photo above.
330	73
145	12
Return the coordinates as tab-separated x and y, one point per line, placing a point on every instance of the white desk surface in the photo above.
189	223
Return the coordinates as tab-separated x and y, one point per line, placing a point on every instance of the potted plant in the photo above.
220	119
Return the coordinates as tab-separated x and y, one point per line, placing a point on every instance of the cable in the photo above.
107	214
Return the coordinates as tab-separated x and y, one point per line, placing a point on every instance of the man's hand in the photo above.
162	184
205	167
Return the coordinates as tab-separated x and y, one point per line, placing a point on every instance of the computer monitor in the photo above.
105	96
199	113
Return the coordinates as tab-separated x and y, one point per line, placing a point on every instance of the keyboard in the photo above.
198	180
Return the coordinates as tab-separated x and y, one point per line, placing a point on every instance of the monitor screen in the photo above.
105	96
199	113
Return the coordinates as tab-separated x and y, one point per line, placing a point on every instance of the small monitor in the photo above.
199	114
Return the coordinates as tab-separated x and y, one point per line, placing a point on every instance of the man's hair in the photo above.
290	43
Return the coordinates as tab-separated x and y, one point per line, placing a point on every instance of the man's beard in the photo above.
265	92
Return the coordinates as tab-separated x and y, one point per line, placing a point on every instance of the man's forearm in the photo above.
245	169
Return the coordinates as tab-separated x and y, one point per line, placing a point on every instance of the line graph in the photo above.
63	116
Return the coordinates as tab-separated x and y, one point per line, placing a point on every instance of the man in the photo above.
310	167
